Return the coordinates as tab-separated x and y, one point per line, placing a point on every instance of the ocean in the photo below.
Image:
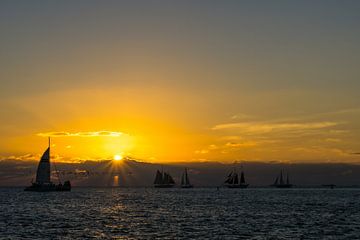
199	213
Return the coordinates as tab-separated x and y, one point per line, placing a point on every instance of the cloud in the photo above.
81	134
26	157
241	144
257	127
242	116
333	140
202	151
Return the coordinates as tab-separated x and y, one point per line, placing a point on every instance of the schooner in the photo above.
280	182
163	180
233	181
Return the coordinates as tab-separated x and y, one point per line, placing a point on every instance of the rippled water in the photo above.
145	213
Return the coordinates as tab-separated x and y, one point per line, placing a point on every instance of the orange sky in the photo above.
167	83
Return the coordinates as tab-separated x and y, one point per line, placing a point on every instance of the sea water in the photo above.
199	213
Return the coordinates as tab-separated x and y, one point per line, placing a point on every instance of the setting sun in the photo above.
118	157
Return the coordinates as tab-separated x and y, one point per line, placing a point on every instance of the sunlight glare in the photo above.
118	157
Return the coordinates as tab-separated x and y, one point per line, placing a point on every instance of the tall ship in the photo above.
185	182
280	182
233	181
163	180
43	182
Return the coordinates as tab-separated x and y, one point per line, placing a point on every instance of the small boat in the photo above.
163	180
43	182
280	183
185	182
232	180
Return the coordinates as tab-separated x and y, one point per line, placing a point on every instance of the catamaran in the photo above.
232	180
280	183
163	180
185	182
43	182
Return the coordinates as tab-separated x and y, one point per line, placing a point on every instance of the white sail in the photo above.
43	170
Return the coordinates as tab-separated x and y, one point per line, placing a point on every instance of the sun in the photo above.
118	157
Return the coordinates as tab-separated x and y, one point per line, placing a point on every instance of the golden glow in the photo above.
153	130
118	157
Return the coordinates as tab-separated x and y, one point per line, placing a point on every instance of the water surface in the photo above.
146	213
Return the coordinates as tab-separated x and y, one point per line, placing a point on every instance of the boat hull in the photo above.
35	187
237	185
284	186
164	185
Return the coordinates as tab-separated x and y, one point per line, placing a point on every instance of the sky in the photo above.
178	81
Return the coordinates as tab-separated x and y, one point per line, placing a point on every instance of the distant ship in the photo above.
163	180
185	182
280	183
232	180
43	182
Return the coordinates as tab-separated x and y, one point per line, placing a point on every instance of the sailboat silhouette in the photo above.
185	182
232	180
280	182
163	180
43	182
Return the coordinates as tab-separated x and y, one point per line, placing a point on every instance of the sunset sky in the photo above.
166	81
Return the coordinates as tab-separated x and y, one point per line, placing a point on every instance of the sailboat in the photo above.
163	180
185	182
280	183
43	182
232	180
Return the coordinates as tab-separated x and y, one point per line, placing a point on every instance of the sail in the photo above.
43	170
187	182
183	179
242	178
281	178
170	180
229	178
236	179
276	181
166	178
158	178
